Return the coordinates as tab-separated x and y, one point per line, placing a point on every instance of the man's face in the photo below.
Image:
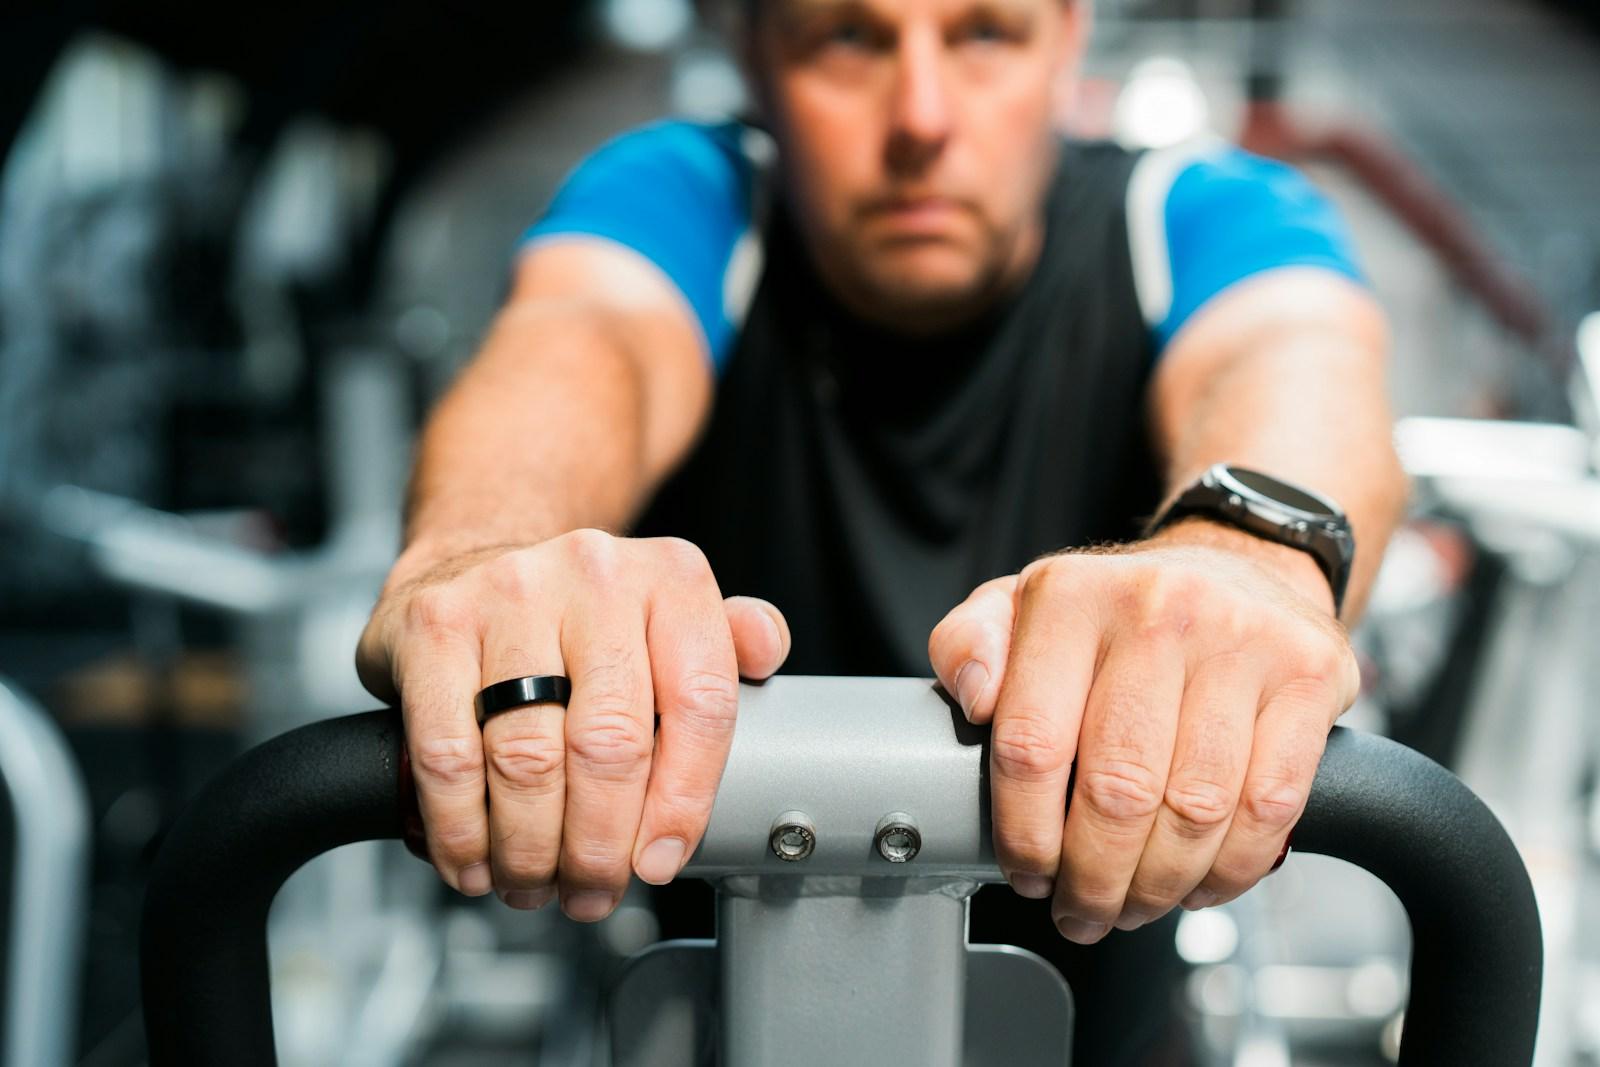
917	139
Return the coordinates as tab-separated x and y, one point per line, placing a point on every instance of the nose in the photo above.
921	112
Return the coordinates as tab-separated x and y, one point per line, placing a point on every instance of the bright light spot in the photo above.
706	84
1161	105
1375	989
1389	1040
647	25
1589	339
1208	936
1219	991
1263	1050
1588	342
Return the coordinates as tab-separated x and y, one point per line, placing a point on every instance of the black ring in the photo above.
520	692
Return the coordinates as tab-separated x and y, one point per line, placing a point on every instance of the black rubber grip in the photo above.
203	943
1476	946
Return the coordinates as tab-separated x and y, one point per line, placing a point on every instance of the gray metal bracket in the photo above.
842	891
662	1011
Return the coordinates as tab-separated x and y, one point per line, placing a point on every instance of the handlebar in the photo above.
898	746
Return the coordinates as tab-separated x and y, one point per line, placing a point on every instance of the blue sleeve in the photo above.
679	194
1226	215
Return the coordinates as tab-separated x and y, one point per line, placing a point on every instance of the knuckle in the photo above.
448	761
1168	600
1027	746
1230	622
1309	688
593	860
1036	846
1119	791
1049	579
1151	899
525	864
1083	900
594	554
1227	879
705	705
528	763
683	558
513	576
610	744
1318	655
677	808
1200	806
438	611
456	841
1272	800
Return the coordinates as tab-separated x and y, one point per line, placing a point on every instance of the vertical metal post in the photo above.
856	972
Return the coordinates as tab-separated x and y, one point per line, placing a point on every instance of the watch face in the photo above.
1260	485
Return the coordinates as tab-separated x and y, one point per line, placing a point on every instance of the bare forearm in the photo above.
1305	402
543	433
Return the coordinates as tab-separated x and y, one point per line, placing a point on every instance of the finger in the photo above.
968	648
1036	719
610	725
438	675
1212	750
1290	734
696	680
524	752
760	636
1124	754
373	668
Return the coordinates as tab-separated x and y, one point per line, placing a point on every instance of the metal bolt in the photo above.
793	837
897	838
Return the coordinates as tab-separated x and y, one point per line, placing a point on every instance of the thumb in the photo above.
969	648
760	636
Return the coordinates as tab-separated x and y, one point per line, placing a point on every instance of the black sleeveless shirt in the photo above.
866	482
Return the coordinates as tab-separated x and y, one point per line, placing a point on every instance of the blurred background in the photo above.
244	247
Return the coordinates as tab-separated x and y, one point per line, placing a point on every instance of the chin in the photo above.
924	290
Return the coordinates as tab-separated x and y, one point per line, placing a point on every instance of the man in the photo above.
880	377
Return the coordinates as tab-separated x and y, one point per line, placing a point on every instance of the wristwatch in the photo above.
1275	510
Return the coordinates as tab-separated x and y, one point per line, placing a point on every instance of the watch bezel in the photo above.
1225	477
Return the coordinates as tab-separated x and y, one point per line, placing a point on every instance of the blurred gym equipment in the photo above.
44	882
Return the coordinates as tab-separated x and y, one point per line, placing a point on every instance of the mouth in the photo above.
914	215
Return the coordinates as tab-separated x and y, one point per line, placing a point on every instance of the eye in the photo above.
985	33
990	29
850	34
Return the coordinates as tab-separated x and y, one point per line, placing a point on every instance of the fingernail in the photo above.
659	862
1032	886
589	905
475	880
970	680
1283	854
1197	899
1084	933
773	631
529	899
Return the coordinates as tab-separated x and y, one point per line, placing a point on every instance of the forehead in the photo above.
897	10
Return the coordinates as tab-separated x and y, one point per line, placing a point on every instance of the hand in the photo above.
1192	679
544	796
